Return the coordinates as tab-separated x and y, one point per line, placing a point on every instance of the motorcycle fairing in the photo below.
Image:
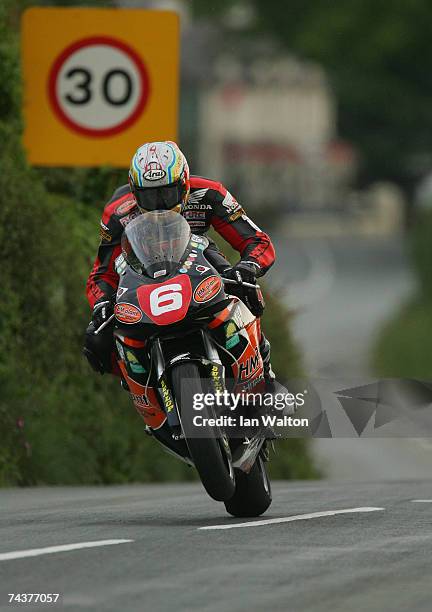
171	300
239	331
145	399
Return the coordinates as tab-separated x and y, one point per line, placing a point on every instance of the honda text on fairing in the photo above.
178	335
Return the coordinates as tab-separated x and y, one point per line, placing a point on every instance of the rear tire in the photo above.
207	452
253	494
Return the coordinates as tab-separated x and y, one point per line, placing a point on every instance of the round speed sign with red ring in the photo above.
98	86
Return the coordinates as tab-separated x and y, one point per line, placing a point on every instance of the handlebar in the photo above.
231	281
104	324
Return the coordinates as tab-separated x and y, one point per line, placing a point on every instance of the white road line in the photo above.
290	519
49	550
422	501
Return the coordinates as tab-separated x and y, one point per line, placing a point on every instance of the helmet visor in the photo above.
159	198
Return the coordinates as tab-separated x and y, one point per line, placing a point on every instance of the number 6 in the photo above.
166	298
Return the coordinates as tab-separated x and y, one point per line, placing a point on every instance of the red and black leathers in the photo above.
209	205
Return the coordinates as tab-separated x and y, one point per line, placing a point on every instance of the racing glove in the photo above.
243	271
246	271
102	312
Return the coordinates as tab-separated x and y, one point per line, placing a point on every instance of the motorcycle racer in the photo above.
159	179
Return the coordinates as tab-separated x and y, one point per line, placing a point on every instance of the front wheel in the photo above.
208	451
253	494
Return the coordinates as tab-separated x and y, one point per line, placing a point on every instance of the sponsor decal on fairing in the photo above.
207	289
127	313
125	207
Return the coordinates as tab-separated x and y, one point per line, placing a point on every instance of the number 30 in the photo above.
86	93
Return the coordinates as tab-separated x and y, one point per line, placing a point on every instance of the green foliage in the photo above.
404	346
90	186
276	323
10	81
292	459
421	251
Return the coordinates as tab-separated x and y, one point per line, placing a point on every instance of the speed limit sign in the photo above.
98	83
98	86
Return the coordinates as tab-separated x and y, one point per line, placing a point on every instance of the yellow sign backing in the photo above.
98	83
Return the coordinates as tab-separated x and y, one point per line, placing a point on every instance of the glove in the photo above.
243	271
102	312
246	271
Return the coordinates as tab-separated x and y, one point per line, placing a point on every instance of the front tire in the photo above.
207	452
253	494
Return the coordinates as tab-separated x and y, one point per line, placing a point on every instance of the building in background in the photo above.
268	126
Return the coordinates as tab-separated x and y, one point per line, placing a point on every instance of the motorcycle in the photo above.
180	335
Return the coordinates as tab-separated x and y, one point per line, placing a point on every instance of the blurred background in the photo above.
317	117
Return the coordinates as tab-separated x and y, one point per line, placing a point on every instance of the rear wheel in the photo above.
253	494
208	452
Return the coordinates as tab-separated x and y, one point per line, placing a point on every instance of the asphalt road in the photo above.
376	560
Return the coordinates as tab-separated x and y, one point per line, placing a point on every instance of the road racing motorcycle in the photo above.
179	334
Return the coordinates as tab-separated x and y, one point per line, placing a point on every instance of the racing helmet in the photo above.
159	177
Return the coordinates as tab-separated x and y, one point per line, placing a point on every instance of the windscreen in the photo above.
153	243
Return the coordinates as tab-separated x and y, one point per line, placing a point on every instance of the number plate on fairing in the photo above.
168	302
